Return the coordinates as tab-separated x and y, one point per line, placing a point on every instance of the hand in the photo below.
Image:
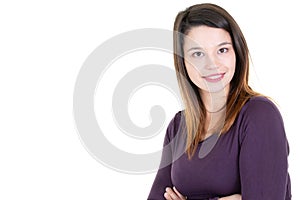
232	197
173	194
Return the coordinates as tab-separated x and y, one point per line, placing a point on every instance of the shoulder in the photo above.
176	123
260	117
260	106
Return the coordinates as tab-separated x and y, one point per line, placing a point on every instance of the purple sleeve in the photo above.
163	176
263	154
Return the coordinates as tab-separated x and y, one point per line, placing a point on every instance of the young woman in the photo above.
229	142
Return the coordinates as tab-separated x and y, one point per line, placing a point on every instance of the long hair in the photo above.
239	93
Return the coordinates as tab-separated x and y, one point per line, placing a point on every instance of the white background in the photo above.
42	47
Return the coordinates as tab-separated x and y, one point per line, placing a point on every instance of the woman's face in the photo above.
209	58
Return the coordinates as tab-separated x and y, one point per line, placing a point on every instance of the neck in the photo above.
214	102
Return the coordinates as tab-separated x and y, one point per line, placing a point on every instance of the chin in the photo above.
215	89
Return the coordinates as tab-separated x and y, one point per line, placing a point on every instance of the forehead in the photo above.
206	37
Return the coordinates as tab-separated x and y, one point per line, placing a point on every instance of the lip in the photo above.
213	78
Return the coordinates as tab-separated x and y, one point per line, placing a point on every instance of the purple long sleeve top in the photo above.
251	159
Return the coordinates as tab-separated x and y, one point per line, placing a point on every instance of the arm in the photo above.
161	181
163	176
174	194
263	154
162	185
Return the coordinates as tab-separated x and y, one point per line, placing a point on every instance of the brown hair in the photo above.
240	92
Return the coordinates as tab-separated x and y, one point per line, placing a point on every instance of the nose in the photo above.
211	62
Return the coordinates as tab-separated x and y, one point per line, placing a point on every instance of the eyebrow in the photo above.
221	44
224	43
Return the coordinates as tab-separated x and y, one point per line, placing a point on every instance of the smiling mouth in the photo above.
213	78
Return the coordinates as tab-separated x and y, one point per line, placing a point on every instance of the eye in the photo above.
197	54
223	50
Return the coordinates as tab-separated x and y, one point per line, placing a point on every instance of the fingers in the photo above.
178	193
167	196
170	194
173	194
238	197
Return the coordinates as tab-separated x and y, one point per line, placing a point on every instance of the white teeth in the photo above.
215	77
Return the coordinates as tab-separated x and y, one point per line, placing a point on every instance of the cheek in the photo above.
191	71
231	63
194	75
